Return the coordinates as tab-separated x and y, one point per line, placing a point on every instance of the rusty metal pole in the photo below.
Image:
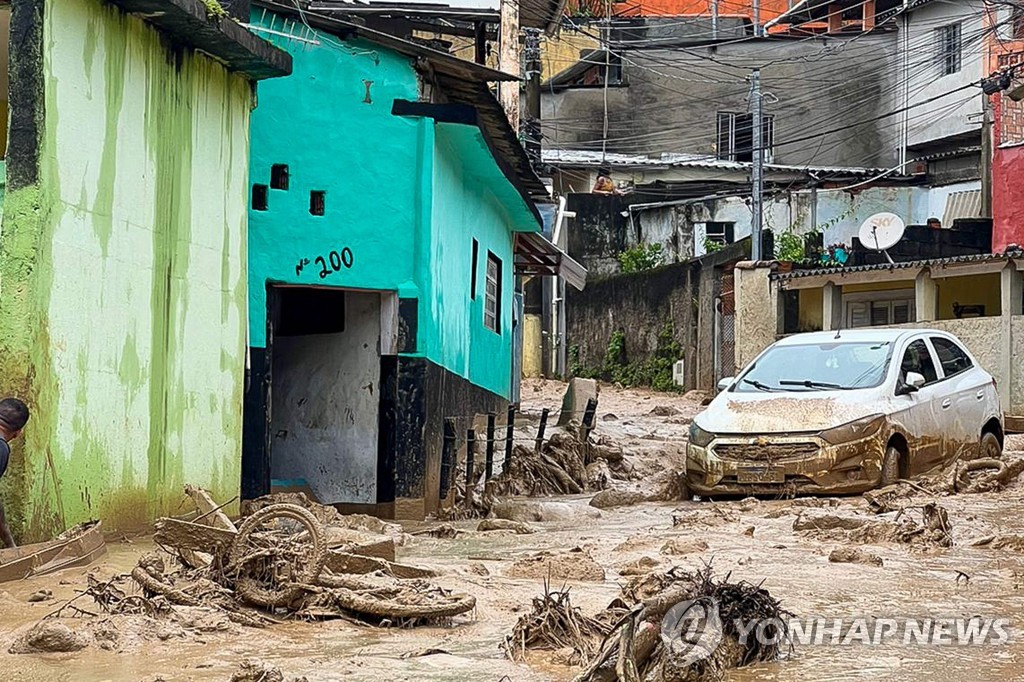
543	425
470	447
510	432
588	425
489	462
447	457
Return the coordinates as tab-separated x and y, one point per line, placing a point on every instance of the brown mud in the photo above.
985	530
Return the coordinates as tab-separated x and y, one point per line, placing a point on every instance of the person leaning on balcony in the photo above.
13	417
604	184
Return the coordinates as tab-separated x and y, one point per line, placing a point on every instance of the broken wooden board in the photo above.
343	562
196	537
79	546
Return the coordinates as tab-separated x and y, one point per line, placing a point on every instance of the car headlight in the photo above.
862	428
699	436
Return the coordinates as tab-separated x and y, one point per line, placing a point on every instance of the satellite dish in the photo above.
882	231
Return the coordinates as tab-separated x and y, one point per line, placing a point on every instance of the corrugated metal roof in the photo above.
973	258
586	158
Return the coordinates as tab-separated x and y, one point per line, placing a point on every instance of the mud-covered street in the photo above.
784	545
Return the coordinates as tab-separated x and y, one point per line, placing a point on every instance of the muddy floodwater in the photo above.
752	540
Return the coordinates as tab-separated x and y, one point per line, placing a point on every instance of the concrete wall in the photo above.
672	100
464	210
123	271
600	233
954	114
640	304
412	197
757	312
326	404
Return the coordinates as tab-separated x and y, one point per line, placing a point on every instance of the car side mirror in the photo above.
910	384
725	382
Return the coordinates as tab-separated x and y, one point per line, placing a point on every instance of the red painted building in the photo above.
1006	50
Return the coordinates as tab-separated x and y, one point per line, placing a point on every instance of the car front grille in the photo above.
770	452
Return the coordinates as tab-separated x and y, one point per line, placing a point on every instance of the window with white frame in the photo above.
879	308
735	141
950	48
492	294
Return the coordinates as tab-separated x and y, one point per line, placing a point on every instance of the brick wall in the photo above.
1011	129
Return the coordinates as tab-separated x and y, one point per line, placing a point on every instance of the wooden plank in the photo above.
192	536
209	511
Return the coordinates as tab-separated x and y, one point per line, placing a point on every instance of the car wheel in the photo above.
890	466
990	446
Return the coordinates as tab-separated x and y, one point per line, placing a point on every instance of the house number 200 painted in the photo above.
333	262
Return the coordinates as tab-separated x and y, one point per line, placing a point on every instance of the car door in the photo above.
963	403
919	411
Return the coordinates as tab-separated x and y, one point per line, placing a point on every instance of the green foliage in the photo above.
712	246
789	246
214	10
641	257
655	372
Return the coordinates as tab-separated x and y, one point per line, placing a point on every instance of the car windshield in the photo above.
843	365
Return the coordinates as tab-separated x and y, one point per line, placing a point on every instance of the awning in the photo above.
538	257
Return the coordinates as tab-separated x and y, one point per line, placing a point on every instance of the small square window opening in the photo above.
259	197
317	202
279	176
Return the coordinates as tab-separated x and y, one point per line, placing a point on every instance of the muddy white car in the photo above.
844	412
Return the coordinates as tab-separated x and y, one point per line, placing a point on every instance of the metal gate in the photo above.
725	329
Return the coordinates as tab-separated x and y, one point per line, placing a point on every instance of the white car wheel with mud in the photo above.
990	446
890	466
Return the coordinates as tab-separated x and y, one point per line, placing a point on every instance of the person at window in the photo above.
604	184
934	224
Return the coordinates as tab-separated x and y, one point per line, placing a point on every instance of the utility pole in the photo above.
986	157
757	172
508	59
756	18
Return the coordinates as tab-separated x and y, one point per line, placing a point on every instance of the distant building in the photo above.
392	210
122	255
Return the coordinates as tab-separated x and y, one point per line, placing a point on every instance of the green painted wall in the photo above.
122	319
405	195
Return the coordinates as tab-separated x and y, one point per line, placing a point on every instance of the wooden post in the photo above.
869	15
480	42
543	426
510	431
489	461
447	457
470	447
835	18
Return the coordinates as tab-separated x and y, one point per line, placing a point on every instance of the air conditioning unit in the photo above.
678	376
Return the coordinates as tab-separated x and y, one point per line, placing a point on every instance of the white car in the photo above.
844	412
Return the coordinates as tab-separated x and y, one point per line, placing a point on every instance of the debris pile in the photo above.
627	642
555	624
280	560
925	525
961	477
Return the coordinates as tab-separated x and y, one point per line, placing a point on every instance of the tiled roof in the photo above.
974	258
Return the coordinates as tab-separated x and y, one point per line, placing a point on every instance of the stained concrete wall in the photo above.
122	262
672	99
757	312
326	402
949	115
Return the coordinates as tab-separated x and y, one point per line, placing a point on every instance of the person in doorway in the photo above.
604	184
13	417
935	223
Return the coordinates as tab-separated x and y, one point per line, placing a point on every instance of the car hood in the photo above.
757	413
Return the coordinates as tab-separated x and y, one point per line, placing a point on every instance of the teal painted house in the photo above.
391	210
